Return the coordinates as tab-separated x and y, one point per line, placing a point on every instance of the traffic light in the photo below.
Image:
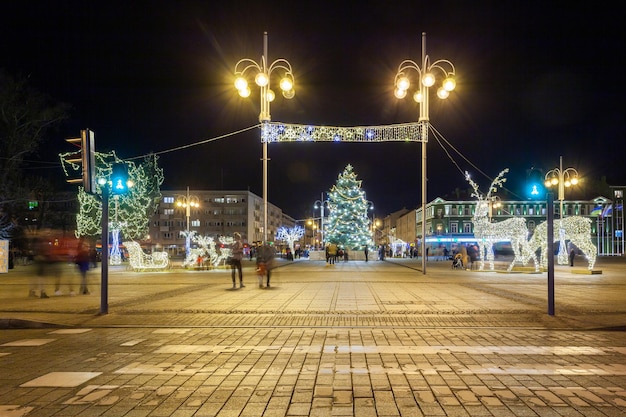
119	178
535	189
85	156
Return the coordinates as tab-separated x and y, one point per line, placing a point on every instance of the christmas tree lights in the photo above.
348	224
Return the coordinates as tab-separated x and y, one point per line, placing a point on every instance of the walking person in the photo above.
265	263
83	260
236	257
366	251
332	253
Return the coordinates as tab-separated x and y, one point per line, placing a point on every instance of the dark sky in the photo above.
534	81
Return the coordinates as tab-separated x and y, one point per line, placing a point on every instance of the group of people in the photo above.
333	251
49	259
264	262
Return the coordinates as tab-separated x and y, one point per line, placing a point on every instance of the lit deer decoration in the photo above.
576	229
487	233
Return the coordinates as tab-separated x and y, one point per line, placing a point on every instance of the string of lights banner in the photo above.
289	132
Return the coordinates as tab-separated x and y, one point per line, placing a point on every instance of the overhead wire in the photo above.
440	138
202	142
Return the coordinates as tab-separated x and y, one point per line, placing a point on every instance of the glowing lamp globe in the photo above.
241	83
245	92
289	94
399	93
442	93
449	84
428	79
286	84
574	180
261	79
270	96
403	83
418	97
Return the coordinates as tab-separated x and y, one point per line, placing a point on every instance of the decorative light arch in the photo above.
289	132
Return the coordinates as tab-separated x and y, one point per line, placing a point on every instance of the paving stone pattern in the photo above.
357	339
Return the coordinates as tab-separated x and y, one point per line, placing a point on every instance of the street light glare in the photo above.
449	84
245	93
270	96
261	79
241	83
403	83
286	84
428	79
442	93
399	93
574	181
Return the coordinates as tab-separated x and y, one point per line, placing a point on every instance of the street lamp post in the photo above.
561	178
370	206
319	204
187	202
263	71
427	71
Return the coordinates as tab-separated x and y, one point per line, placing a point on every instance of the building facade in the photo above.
219	213
450	222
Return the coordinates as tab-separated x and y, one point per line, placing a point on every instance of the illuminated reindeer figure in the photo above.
487	233
576	229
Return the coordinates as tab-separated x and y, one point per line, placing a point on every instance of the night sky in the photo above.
533	82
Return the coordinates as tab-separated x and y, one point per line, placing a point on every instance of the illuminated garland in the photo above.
576	229
287	132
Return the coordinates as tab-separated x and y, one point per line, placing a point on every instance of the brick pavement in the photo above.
357	339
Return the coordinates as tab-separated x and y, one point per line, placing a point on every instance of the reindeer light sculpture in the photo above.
576	229
488	233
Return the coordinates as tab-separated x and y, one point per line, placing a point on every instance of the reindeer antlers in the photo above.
497	182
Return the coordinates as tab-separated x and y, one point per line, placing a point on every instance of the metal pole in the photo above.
424	131
264	118
104	269
550	252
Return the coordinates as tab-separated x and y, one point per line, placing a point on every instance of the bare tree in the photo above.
26	116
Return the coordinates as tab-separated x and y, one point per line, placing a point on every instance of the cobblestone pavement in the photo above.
354	339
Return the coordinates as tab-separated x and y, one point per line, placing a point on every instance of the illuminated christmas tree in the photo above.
348	224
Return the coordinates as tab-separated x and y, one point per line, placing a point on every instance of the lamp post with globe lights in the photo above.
262	71
187	202
562	178
319	204
427	71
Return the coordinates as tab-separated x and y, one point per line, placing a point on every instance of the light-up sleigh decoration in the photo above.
141	261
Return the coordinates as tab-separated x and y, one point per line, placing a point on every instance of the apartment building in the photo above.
214	214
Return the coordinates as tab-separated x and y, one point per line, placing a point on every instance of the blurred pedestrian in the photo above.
265	263
83	261
236	257
366	251
41	255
